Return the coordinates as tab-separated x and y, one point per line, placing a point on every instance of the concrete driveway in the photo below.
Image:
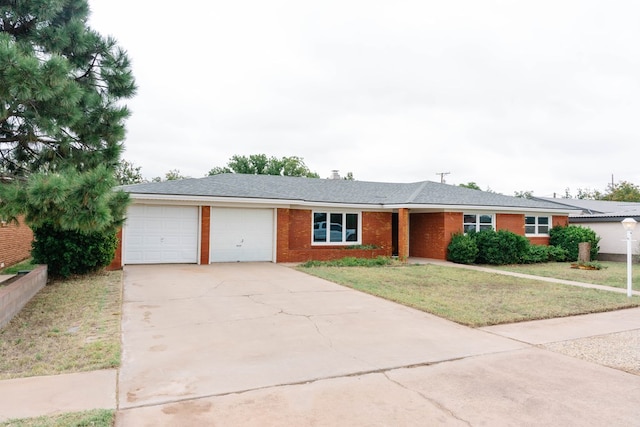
262	344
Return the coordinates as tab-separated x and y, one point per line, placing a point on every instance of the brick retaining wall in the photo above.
15	296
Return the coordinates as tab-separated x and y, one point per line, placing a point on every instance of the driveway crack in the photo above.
434	402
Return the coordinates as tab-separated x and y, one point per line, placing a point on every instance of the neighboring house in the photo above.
605	218
15	242
235	217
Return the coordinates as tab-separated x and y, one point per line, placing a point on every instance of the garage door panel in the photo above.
241	235
161	234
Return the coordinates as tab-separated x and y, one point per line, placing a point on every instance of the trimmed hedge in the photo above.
499	248
462	249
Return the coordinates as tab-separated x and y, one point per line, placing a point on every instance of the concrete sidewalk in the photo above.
57	394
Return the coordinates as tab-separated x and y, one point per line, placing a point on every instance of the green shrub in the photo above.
462	249
558	254
71	252
536	254
500	247
570	236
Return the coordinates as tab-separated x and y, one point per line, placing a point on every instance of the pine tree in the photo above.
61	131
61	84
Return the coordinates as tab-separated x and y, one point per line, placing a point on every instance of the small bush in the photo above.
558	254
462	249
70	252
536	254
500	247
570	236
350	262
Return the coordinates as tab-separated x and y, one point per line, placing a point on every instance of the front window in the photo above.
336	228
536	225
478	222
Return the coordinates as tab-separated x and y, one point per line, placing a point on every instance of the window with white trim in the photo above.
335	228
537	225
478	222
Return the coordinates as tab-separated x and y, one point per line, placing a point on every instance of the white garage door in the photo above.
241	235
161	234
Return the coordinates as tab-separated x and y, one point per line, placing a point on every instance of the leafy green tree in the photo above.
127	173
527	194
60	88
260	164
588	194
172	175
623	191
349	177
472	185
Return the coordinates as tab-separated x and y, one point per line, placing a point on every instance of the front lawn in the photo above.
612	274
471	297
71	325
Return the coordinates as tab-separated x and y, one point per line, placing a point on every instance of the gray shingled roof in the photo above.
334	191
599	208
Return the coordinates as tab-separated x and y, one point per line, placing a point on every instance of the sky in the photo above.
515	96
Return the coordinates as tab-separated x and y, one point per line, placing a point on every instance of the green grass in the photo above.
71	325
352	262
471	297
612	274
21	266
93	418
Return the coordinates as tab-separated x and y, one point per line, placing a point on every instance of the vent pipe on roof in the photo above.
335	174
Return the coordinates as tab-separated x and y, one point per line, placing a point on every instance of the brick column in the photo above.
403	234
205	231
116	262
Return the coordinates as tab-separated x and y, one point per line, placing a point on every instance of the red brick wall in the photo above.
15	243
560	220
116	263
510	222
294	237
205	230
431	233
541	240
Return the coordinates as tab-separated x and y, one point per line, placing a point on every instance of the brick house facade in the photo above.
284	219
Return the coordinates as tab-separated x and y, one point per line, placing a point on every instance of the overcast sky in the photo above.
513	95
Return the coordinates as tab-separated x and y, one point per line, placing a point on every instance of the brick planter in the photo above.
16	295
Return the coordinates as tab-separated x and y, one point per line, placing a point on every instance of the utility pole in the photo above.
442	175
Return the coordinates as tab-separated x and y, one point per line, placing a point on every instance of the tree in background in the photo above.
623	191
526	194
472	185
127	173
61	129
349	177
172	175
260	164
